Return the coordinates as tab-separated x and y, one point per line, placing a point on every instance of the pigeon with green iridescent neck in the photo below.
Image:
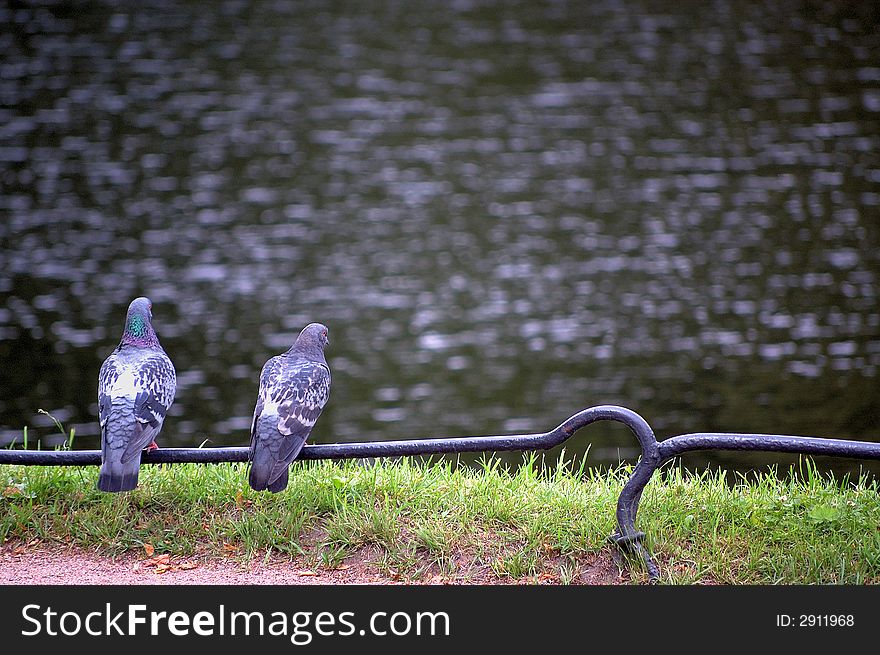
136	387
294	388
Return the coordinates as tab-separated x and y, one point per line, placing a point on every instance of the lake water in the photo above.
504	211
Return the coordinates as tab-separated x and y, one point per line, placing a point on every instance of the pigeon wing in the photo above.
268	382
156	382
106	379
301	396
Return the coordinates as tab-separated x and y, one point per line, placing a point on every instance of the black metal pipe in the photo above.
435	446
778	443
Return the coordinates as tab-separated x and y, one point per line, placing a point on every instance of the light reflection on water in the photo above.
504	214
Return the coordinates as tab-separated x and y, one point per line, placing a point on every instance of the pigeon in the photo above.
294	388
136	387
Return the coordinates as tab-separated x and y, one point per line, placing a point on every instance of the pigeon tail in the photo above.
116	476
118	472
259	480
269	465
280	483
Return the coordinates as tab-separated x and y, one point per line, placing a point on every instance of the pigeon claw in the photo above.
152	446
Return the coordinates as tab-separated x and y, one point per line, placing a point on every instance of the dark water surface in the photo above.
505	212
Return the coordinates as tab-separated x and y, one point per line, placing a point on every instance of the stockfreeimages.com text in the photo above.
300	627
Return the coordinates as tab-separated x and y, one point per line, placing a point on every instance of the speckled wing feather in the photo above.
156	383
301	395
106	378
268	376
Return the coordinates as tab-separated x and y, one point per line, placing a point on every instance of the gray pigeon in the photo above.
135	389
294	388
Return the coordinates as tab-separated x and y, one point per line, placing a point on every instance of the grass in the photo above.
418	519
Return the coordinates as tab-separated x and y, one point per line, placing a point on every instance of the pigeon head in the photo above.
313	339
139	324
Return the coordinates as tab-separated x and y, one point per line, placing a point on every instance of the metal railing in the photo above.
627	538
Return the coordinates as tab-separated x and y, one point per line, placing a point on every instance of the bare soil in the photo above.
37	563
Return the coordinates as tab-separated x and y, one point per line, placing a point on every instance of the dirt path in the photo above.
37	564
